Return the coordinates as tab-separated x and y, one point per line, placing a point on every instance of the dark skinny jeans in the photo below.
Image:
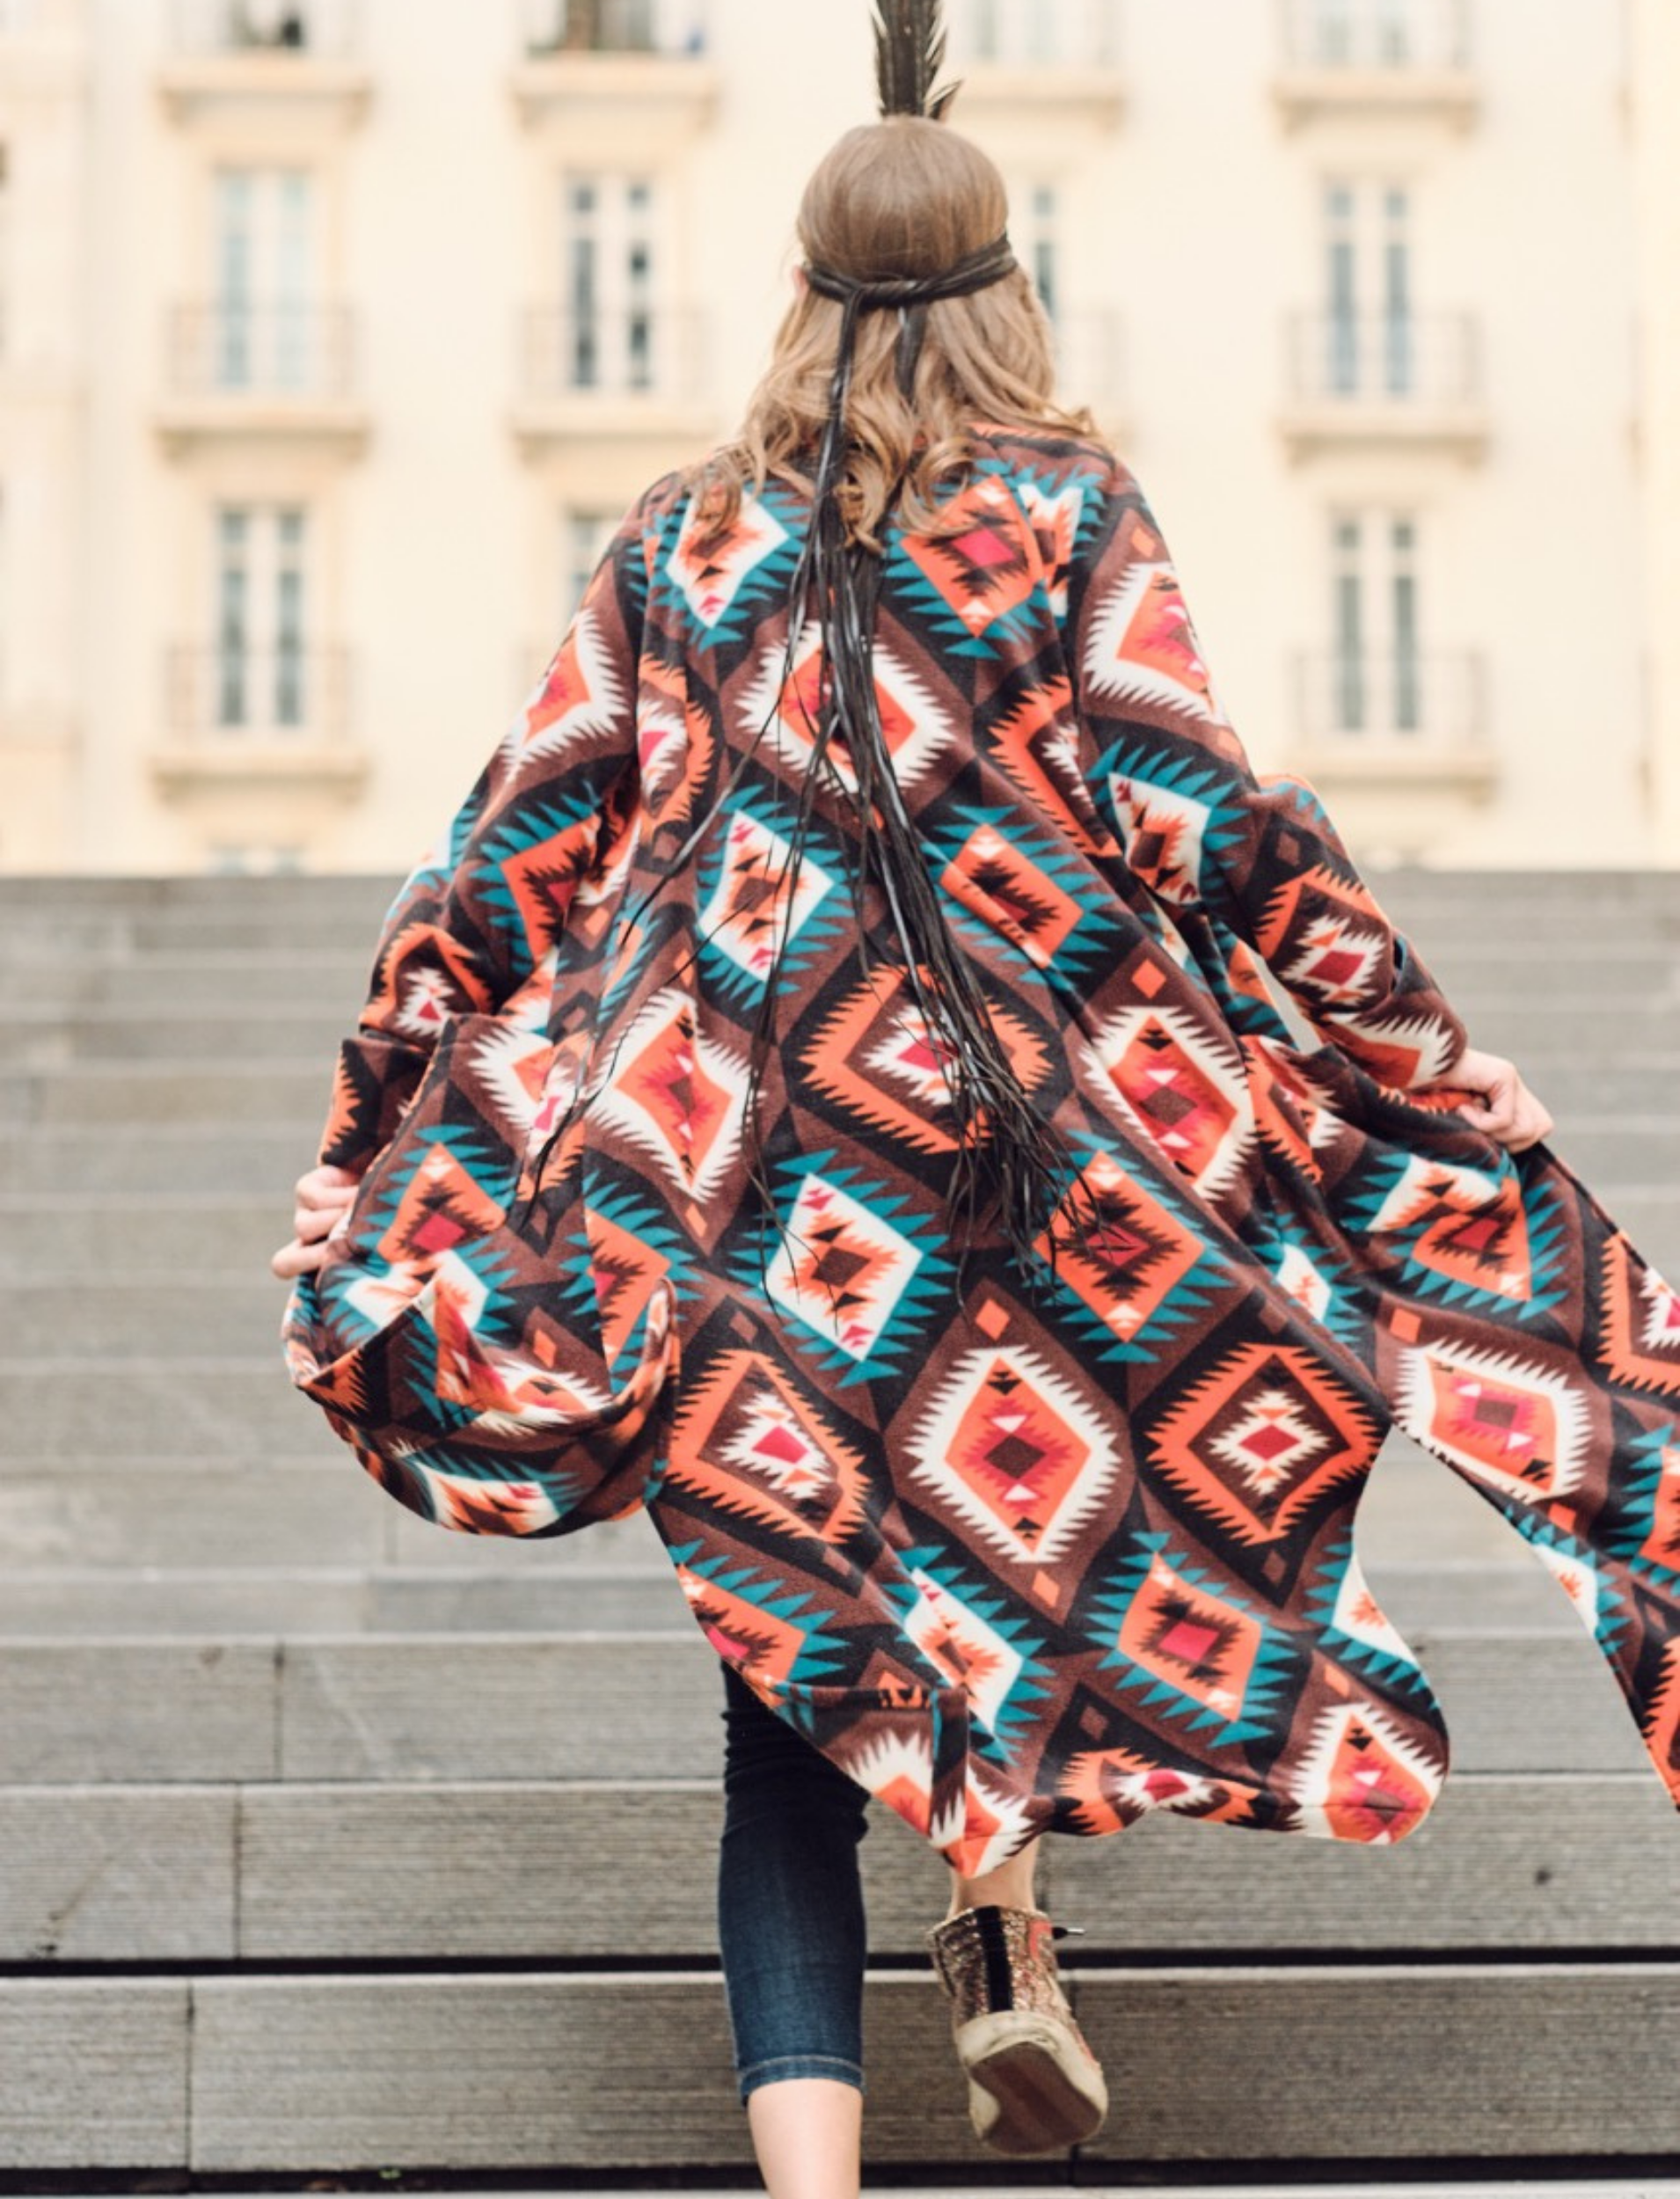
790	1927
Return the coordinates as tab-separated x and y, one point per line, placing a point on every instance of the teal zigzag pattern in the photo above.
1031	1684
1274	1662
1321	1596
819	1653
923	1300
1094	940
1548	1243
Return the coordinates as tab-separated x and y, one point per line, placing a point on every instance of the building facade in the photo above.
335	334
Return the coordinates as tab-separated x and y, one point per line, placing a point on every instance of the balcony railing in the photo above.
1024	34
1091	364
281	27
1376	35
267	352
1384	359
614	27
1426	700
297	695
643	353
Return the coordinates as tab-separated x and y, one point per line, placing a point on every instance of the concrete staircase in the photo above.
329	1842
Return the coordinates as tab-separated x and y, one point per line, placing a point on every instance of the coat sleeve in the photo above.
1256	854
481	910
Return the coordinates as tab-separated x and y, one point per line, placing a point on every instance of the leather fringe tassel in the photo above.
1005	1146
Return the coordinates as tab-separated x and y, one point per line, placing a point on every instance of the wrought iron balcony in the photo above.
1407	379
1016	54
296	352
1426	707
298	697
1398	34
284	28
1394	358
1027	34
1342	56
648	356
615	26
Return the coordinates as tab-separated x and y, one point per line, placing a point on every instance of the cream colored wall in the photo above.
1193	215
42	394
1654	88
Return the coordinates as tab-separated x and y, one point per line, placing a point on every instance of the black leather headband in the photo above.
974	272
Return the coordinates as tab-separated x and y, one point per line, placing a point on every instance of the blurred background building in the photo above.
335	334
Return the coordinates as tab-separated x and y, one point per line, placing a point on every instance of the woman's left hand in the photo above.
324	1197
1513	1113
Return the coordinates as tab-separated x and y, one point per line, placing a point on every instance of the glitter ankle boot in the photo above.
1033	2084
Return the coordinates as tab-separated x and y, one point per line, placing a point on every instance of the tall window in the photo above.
1035	33
1041	244
1376	670
261	653
264	225
615	26
242	860
1369	330
596	27
1363	34
584	537
610	338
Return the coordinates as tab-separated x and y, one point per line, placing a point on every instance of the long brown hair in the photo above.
906	196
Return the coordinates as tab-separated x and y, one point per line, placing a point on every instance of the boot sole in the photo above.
1030	2088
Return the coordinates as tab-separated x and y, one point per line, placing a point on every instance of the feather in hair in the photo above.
909	53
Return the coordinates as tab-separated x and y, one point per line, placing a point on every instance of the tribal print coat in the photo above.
1019	1553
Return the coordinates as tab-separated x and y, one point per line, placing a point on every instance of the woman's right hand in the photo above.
1513	1114
323	1200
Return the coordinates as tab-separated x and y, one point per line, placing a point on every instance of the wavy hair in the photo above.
906	196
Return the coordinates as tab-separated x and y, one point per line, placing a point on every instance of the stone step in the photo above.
207	1094
289	1101
317	928
205	1307
303	1872
53	939
178	1507
148	1312
63	920
177	1466
1553	2187
47	899
325	1595
179	1231
1399	887
46	1238
166	1409
115	978
185	983
156	1311
161	1409
60	1514
337	1599
161	1158
116	1708
256	1031
197	1514
509	2071
1508	1013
